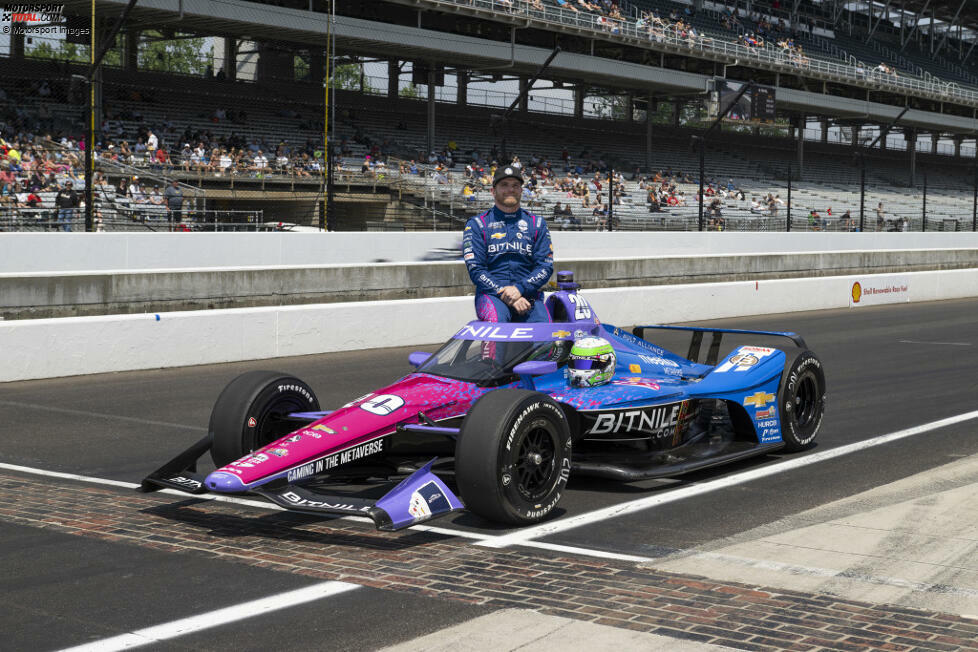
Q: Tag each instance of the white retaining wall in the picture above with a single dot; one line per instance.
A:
(57, 252)
(44, 348)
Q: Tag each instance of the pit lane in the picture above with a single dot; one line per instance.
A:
(887, 368)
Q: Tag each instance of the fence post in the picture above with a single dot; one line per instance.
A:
(862, 196)
(924, 225)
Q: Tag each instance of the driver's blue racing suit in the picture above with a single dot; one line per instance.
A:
(503, 249)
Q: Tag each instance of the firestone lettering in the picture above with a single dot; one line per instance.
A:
(297, 389)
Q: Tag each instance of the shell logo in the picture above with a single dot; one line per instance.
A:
(857, 292)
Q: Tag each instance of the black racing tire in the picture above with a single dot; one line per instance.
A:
(513, 456)
(802, 402)
(246, 414)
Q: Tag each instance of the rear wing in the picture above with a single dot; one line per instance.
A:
(714, 351)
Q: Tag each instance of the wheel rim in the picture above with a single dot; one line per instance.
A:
(535, 461)
(806, 402)
(271, 424)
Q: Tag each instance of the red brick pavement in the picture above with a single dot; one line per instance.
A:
(619, 594)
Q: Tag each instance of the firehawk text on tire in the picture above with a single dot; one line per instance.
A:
(513, 456)
(248, 413)
(802, 401)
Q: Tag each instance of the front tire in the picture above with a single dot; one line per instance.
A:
(513, 456)
(248, 413)
(802, 402)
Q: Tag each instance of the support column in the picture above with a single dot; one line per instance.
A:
(882, 139)
(629, 107)
(462, 95)
(957, 146)
(317, 65)
(801, 148)
(825, 130)
(524, 94)
(911, 137)
(230, 58)
(855, 136)
(393, 80)
(677, 109)
(934, 138)
(652, 105)
(430, 141)
(130, 50)
(17, 46)
(579, 102)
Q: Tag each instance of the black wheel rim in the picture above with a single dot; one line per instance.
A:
(272, 423)
(535, 461)
(806, 402)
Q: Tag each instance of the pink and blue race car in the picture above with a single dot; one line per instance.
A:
(490, 423)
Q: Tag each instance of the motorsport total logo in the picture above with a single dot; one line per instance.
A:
(32, 13)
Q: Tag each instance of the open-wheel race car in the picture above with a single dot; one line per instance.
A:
(494, 417)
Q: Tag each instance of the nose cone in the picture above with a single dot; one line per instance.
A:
(224, 482)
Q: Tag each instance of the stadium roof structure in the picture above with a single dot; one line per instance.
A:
(302, 28)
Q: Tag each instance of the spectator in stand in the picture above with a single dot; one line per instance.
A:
(136, 192)
(174, 201)
(259, 164)
(187, 157)
(152, 143)
(224, 164)
(122, 190)
(66, 202)
(155, 197)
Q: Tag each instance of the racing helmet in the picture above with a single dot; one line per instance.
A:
(591, 363)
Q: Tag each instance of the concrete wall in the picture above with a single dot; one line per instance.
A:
(52, 252)
(43, 348)
(40, 295)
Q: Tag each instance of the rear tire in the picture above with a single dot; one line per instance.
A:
(802, 402)
(246, 414)
(513, 456)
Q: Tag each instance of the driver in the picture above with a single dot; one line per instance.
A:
(509, 255)
(591, 363)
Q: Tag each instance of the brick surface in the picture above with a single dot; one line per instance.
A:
(619, 594)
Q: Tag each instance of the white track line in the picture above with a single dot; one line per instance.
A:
(621, 509)
(223, 616)
(100, 415)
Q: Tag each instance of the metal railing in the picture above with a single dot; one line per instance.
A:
(120, 217)
(662, 38)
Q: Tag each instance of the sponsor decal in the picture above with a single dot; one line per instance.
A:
(635, 369)
(560, 334)
(336, 459)
(312, 433)
(279, 452)
(294, 438)
(745, 358)
(326, 429)
(770, 434)
(578, 334)
(418, 508)
(759, 399)
(875, 290)
(521, 247)
(523, 226)
(498, 236)
(495, 333)
(428, 499)
(298, 501)
(468, 256)
(189, 483)
(249, 462)
(658, 360)
(297, 389)
(357, 400)
(765, 414)
(652, 423)
(252, 422)
(383, 404)
(636, 382)
(496, 225)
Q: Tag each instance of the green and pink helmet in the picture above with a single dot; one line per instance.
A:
(591, 362)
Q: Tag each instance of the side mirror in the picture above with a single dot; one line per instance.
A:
(418, 358)
(527, 370)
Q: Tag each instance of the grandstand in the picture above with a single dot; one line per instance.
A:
(246, 143)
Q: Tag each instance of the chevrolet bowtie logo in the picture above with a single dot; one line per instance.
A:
(560, 334)
(759, 399)
(497, 236)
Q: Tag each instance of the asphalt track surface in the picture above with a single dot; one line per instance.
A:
(65, 583)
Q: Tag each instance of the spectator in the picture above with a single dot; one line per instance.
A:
(136, 192)
(152, 143)
(66, 202)
(174, 201)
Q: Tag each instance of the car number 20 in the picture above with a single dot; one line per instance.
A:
(582, 311)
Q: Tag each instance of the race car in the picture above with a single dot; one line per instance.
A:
(498, 419)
